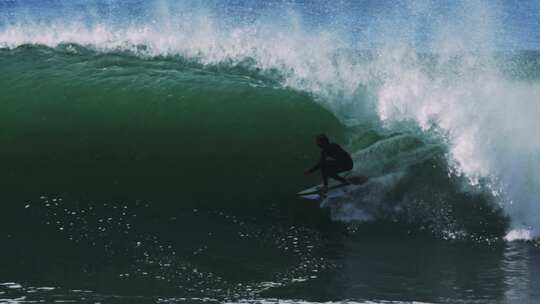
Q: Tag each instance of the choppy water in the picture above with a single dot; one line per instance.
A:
(150, 151)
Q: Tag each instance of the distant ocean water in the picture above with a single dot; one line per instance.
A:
(151, 151)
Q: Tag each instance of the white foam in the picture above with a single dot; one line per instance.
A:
(486, 119)
(519, 235)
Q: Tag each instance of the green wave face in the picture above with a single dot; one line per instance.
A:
(112, 125)
(116, 123)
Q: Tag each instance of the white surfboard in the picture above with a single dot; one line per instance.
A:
(335, 188)
(336, 192)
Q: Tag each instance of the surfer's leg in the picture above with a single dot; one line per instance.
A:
(331, 169)
(339, 178)
(324, 173)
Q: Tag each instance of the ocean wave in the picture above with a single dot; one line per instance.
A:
(451, 89)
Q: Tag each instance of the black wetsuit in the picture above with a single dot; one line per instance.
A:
(333, 161)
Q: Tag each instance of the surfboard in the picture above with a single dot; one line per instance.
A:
(336, 192)
(317, 189)
(335, 188)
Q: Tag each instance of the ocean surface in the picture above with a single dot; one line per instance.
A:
(151, 151)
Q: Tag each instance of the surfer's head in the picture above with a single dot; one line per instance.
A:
(322, 140)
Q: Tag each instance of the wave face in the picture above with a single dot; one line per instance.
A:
(162, 67)
(198, 108)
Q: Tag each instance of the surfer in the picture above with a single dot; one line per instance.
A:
(333, 161)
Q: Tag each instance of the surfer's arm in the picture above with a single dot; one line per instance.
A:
(318, 165)
(314, 168)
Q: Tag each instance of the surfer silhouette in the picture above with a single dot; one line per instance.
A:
(333, 161)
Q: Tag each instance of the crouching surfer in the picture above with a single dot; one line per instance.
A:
(333, 161)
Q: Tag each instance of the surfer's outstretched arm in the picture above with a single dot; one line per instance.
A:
(314, 168)
(317, 166)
